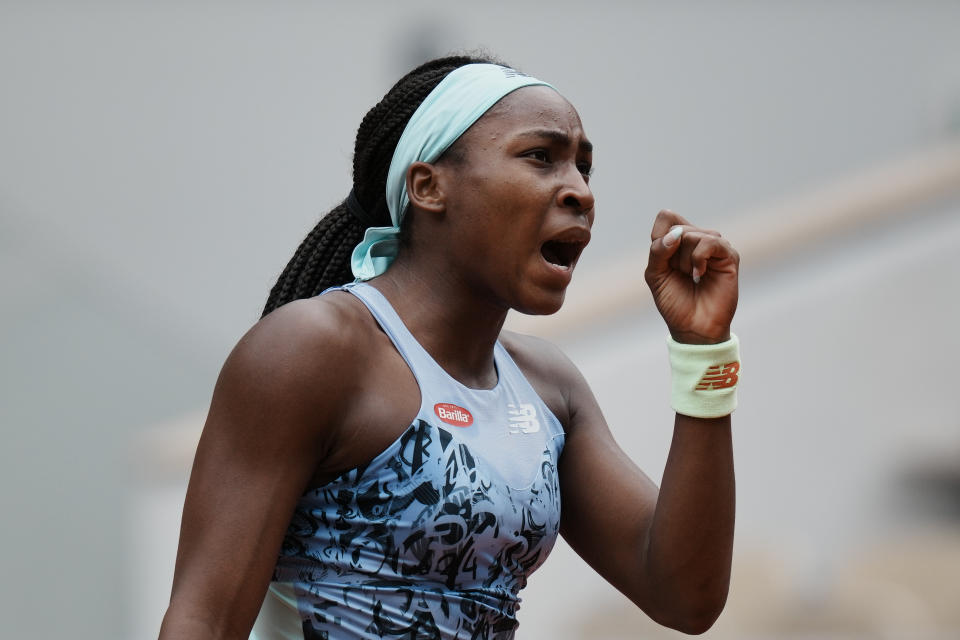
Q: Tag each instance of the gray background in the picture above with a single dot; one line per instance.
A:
(159, 163)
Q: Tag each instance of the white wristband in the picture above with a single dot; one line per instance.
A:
(705, 377)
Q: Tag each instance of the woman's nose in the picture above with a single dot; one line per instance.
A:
(576, 193)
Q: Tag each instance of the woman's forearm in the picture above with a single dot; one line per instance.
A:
(690, 540)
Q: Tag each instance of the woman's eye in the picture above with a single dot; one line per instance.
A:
(585, 169)
(539, 154)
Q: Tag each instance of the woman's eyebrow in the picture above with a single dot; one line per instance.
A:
(557, 136)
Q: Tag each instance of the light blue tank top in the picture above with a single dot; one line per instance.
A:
(435, 536)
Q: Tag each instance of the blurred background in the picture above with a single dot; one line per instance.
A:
(160, 162)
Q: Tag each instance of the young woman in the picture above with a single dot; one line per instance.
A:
(383, 461)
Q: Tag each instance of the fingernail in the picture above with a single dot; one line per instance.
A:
(672, 236)
(696, 275)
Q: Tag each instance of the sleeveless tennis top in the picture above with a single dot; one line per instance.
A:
(434, 537)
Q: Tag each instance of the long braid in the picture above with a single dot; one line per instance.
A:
(323, 258)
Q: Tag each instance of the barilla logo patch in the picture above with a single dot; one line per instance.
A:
(452, 414)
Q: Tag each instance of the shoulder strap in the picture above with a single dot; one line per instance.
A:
(416, 357)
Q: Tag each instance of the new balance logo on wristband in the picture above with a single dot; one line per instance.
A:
(719, 377)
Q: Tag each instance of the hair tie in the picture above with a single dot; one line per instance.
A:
(357, 211)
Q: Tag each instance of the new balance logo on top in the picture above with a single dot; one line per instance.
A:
(720, 376)
(523, 418)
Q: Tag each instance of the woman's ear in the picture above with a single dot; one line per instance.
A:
(424, 187)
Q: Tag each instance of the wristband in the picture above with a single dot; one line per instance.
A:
(705, 377)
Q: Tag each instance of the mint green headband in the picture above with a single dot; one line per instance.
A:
(457, 102)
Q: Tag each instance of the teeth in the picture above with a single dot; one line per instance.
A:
(560, 253)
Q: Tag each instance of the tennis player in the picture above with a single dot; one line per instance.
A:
(382, 460)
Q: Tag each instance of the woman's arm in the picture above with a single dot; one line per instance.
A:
(668, 550)
(264, 436)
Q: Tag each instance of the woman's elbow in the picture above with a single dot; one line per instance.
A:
(693, 616)
(696, 625)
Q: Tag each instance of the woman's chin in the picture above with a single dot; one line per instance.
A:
(544, 303)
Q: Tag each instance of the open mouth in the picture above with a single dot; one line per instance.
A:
(562, 253)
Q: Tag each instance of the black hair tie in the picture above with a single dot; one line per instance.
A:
(357, 211)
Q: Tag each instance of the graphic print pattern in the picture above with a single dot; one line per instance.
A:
(423, 543)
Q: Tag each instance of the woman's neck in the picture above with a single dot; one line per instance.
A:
(457, 327)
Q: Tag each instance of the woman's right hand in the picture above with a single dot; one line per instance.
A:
(693, 276)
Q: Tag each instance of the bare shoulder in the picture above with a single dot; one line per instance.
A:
(554, 377)
(305, 337)
(535, 355)
(336, 319)
(303, 356)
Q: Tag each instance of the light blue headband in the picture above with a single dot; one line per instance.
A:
(449, 110)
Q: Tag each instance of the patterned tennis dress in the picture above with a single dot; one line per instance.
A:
(434, 537)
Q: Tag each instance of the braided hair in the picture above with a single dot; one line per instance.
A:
(323, 258)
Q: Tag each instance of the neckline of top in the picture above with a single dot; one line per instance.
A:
(379, 303)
